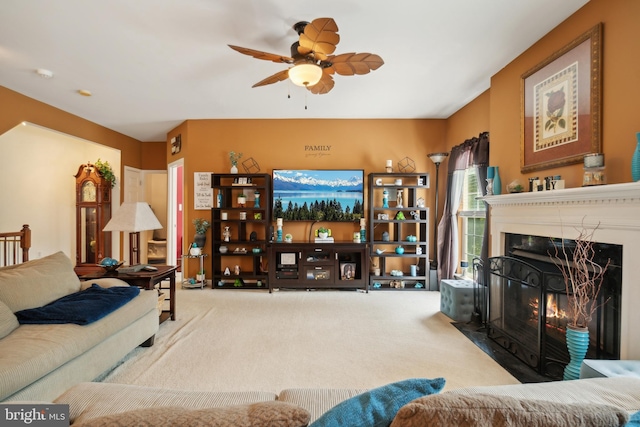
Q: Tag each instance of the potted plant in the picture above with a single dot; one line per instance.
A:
(583, 279)
(242, 200)
(323, 232)
(104, 168)
(195, 250)
(233, 158)
(200, 277)
(202, 225)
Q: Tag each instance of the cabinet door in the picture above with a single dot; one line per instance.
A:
(317, 256)
(317, 273)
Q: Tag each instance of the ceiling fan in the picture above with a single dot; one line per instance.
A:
(312, 59)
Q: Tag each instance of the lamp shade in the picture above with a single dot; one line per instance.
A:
(437, 158)
(133, 217)
(305, 74)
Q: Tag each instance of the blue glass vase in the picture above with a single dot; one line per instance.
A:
(635, 161)
(497, 183)
(577, 344)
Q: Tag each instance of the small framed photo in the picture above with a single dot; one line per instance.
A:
(347, 270)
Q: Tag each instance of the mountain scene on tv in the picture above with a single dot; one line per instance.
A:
(318, 195)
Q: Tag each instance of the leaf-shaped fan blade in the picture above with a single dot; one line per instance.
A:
(262, 55)
(325, 84)
(277, 77)
(319, 36)
(348, 64)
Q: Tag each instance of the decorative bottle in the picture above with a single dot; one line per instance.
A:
(279, 230)
(497, 183)
(635, 161)
(219, 199)
(490, 175)
(385, 199)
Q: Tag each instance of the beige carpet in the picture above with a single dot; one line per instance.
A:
(240, 340)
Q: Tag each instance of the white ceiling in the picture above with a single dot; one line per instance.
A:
(152, 64)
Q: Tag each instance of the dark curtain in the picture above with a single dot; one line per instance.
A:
(472, 152)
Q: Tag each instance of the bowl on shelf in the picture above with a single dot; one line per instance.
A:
(223, 249)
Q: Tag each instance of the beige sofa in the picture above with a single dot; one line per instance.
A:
(97, 404)
(40, 361)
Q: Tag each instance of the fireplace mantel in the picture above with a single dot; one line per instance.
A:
(614, 209)
(610, 194)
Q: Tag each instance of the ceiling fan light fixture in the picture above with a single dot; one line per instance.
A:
(305, 74)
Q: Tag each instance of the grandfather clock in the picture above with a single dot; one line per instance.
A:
(93, 211)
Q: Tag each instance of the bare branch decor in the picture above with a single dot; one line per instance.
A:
(583, 276)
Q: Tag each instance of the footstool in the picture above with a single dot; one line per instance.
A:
(595, 368)
(456, 299)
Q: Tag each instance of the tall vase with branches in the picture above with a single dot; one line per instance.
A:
(583, 278)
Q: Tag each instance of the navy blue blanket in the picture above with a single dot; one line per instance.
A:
(82, 307)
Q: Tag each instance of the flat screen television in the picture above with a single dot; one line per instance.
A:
(318, 195)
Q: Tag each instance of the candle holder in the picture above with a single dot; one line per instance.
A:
(463, 267)
(279, 230)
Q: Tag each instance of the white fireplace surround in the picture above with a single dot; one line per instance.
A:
(558, 213)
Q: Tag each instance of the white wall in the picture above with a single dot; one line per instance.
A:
(37, 185)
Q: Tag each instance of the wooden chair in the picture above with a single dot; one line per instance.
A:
(14, 246)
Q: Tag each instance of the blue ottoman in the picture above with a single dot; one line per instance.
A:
(595, 368)
(456, 299)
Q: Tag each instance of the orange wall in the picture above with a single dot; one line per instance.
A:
(16, 108)
(153, 155)
(471, 120)
(620, 88)
(289, 144)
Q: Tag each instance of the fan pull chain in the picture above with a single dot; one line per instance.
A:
(305, 100)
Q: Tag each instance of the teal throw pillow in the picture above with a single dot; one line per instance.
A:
(634, 420)
(379, 406)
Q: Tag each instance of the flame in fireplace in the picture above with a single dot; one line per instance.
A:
(556, 317)
(553, 310)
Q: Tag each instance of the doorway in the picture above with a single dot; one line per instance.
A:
(175, 213)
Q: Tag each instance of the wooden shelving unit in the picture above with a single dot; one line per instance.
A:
(248, 231)
(406, 194)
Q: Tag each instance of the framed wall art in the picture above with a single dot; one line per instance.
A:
(560, 105)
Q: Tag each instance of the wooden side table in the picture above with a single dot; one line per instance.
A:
(146, 280)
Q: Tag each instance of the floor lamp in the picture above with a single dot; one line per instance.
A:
(133, 217)
(436, 158)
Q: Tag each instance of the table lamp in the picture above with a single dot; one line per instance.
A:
(133, 217)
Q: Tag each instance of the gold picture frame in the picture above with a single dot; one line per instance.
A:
(560, 105)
